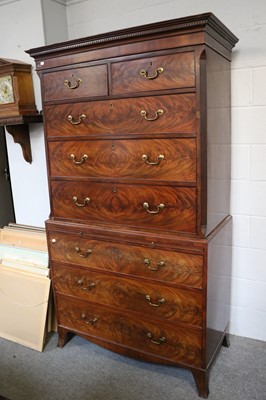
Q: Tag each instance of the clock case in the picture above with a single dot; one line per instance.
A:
(17, 115)
(24, 101)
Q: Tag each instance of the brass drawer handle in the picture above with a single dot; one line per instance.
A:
(159, 264)
(159, 112)
(160, 341)
(89, 321)
(145, 158)
(82, 159)
(85, 201)
(87, 287)
(74, 85)
(159, 207)
(145, 73)
(83, 255)
(160, 301)
(80, 119)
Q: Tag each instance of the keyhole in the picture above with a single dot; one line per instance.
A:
(113, 146)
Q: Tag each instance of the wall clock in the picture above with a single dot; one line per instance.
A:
(17, 102)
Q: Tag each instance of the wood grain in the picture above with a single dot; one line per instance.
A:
(123, 116)
(123, 159)
(178, 268)
(181, 344)
(94, 83)
(123, 204)
(172, 304)
(178, 72)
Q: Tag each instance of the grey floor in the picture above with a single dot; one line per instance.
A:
(84, 371)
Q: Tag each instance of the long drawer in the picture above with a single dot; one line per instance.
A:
(162, 72)
(163, 159)
(159, 265)
(153, 207)
(142, 115)
(180, 305)
(173, 343)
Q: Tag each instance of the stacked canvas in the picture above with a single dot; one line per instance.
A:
(24, 285)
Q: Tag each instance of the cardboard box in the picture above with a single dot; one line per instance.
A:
(30, 239)
(23, 307)
(27, 310)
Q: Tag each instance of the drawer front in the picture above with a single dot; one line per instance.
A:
(172, 304)
(171, 71)
(142, 115)
(177, 344)
(159, 265)
(163, 159)
(76, 83)
(151, 207)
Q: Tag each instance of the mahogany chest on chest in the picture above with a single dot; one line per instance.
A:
(137, 127)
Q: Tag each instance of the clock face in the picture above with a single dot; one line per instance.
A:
(6, 90)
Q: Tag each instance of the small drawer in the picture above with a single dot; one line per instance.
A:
(138, 116)
(157, 265)
(171, 71)
(173, 343)
(75, 83)
(168, 208)
(173, 304)
(161, 159)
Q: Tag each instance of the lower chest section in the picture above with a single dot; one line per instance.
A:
(148, 300)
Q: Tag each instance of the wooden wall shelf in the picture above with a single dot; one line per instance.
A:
(18, 127)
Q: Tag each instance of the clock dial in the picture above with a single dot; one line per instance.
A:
(6, 90)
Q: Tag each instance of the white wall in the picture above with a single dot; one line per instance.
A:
(55, 21)
(247, 20)
(23, 20)
(23, 26)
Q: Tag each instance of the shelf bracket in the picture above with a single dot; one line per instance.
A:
(21, 135)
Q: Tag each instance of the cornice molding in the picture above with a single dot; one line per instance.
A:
(205, 22)
(5, 2)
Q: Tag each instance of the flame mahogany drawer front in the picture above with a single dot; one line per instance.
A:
(170, 71)
(163, 159)
(160, 301)
(153, 207)
(157, 265)
(171, 342)
(139, 116)
(76, 83)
